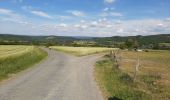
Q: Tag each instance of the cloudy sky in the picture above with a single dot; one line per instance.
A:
(85, 17)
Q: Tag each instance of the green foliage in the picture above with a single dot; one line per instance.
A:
(132, 44)
(143, 41)
(129, 43)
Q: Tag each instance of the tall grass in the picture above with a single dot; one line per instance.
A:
(20, 61)
(115, 84)
(152, 80)
(153, 76)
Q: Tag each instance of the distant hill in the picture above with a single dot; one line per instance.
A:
(35, 39)
(98, 41)
(151, 39)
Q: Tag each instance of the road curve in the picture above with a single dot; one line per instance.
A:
(59, 77)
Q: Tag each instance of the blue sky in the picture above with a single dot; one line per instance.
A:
(85, 17)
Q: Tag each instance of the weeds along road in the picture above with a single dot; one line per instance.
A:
(59, 77)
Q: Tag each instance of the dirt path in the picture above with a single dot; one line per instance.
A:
(59, 77)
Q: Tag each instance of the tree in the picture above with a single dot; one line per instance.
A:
(129, 43)
(135, 44)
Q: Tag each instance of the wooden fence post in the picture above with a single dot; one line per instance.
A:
(136, 68)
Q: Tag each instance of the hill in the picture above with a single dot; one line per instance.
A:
(150, 39)
(143, 41)
(24, 39)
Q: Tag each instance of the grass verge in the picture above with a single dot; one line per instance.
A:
(13, 64)
(115, 84)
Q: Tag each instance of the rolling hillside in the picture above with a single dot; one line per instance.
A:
(98, 41)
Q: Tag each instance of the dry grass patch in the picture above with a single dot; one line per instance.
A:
(81, 51)
(154, 71)
(152, 80)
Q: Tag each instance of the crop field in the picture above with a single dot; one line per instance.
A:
(7, 51)
(16, 58)
(81, 51)
(152, 78)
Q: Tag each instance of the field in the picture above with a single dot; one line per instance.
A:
(8, 50)
(16, 58)
(152, 80)
(81, 51)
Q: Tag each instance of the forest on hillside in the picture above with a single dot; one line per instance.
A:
(161, 41)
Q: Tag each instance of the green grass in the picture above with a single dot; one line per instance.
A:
(115, 84)
(19, 58)
(81, 51)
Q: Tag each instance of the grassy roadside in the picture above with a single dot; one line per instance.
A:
(115, 84)
(13, 64)
(152, 81)
(81, 51)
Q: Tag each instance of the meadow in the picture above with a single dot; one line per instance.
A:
(152, 79)
(81, 51)
(16, 58)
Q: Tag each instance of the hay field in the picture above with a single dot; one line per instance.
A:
(16, 58)
(8, 50)
(81, 51)
(153, 76)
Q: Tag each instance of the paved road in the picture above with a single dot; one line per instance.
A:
(59, 77)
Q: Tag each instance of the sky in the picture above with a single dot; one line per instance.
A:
(96, 18)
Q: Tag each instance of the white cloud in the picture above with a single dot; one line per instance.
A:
(41, 14)
(116, 14)
(160, 24)
(109, 1)
(36, 12)
(27, 8)
(6, 12)
(62, 25)
(86, 27)
(120, 30)
(111, 14)
(77, 13)
(108, 9)
(167, 19)
(80, 26)
(82, 21)
(63, 18)
(94, 23)
(9, 15)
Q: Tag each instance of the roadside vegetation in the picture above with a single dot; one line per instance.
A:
(16, 58)
(152, 80)
(81, 51)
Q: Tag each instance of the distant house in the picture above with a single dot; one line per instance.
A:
(139, 50)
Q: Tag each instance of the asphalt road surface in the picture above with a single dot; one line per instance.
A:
(59, 77)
